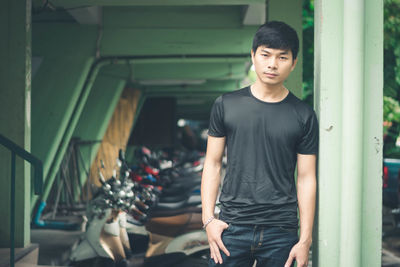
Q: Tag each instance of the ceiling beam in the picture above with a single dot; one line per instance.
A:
(208, 87)
(87, 15)
(176, 41)
(255, 14)
(173, 17)
(194, 95)
(81, 3)
(177, 71)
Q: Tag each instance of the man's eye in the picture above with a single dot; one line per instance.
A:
(264, 55)
(283, 58)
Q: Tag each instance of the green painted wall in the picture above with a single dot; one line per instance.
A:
(290, 12)
(96, 116)
(194, 101)
(15, 115)
(67, 54)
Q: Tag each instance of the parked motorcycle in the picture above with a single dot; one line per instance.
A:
(105, 241)
(173, 225)
(152, 210)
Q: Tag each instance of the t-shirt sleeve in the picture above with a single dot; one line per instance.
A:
(309, 141)
(216, 127)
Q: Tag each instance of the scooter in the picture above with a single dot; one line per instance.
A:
(170, 241)
(105, 241)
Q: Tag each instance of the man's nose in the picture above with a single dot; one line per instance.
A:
(272, 63)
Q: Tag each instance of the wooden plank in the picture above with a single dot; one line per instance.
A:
(116, 136)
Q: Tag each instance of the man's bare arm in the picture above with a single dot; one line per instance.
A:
(211, 178)
(210, 182)
(306, 195)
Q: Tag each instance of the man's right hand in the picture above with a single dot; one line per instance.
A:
(214, 231)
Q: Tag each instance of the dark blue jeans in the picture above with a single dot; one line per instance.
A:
(269, 245)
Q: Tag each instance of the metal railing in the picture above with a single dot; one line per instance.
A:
(37, 183)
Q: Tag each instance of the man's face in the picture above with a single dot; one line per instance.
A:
(272, 65)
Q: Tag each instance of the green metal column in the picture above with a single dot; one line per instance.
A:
(349, 99)
(290, 12)
(15, 115)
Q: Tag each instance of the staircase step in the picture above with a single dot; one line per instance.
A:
(28, 254)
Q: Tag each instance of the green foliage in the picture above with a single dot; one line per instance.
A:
(391, 89)
(308, 51)
(391, 112)
(392, 48)
(391, 127)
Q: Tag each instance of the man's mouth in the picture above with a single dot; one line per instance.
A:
(271, 75)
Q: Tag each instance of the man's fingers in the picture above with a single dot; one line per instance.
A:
(214, 239)
(212, 252)
(222, 247)
(217, 254)
(289, 261)
(302, 263)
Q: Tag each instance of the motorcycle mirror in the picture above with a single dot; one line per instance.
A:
(101, 178)
(121, 194)
(121, 155)
(146, 151)
(119, 163)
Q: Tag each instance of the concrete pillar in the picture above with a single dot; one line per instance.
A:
(291, 13)
(15, 115)
(349, 99)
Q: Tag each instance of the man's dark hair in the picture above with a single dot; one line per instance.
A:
(277, 35)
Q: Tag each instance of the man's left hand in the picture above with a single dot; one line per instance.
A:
(299, 253)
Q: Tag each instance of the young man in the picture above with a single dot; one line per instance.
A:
(267, 131)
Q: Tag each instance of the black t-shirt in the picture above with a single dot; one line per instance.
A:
(263, 140)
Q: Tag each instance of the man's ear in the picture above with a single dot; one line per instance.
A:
(294, 63)
(252, 56)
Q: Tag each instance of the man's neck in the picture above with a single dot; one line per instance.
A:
(269, 93)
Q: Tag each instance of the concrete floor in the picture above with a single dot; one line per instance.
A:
(55, 245)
